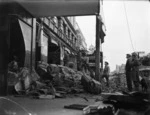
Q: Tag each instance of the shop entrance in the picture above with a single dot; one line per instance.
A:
(53, 54)
(17, 45)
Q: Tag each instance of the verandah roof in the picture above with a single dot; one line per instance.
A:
(45, 8)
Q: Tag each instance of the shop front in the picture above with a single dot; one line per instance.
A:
(16, 41)
(54, 51)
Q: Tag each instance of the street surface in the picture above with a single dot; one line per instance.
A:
(53, 106)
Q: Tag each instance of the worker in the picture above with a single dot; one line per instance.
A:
(128, 72)
(135, 70)
(106, 73)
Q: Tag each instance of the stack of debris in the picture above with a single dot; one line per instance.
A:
(91, 85)
(135, 102)
(66, 79)
(118, 103)
(28, 83)
(51, 80)
(116, 83)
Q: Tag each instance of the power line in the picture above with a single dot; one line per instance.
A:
(128, 26)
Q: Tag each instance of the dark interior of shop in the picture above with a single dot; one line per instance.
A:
(53, 54)
(17, 45)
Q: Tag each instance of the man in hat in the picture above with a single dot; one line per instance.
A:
(135, 70)
(128, 72)
(106, 72)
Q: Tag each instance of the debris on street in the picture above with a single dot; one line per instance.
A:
(91, 85)
(52, 80)
(117, 84)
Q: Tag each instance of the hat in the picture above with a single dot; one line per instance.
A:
(134, 54)
(106, 62)
(128, 55)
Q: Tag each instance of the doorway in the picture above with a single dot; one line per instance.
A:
(17, 45)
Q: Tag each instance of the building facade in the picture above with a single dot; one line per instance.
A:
(120, 68)
(50, 39)
(56, 40)
(82, 45)
(17, 31)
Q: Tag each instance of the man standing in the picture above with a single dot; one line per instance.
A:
(128, 72)
(106, 72)
(135, 71)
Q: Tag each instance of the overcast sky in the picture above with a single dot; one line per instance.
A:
(117, 41)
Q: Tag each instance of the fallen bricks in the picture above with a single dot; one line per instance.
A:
(48, 79)
(90, 85)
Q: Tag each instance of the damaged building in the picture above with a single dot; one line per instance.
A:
(52, 40)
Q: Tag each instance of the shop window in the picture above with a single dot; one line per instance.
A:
(46, 21)
(61, 26)
(55, 21)
(64, 28)
(71, 36)
(26, 31)
(44, 48)
(66, 31)
(59, 22)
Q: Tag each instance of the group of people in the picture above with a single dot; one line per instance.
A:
(132, 71)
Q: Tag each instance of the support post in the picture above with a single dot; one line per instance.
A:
(33, 42)
(97, 56)
(4, 48)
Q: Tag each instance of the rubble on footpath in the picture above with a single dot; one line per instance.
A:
(91, 85)
(55, 81)
(29, 83)
(117, 83)
(51, 80)
(128, 103)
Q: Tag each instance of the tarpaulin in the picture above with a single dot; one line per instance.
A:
(45, 8)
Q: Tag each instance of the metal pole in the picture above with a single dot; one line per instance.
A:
(101, 55)
(4, 53)
(31, 47)
(33, 41)
(97, 56)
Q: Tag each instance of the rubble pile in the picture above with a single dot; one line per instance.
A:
(29, 83)
(145, 60)
(91, 85)
(134, 102)
(69, 80)
(116, 83)
(66, 79)
(51, 80)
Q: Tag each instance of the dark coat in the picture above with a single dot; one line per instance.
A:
(128, 66)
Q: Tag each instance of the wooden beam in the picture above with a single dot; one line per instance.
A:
(97, 62)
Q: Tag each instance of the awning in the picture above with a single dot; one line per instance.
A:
(26, 32)
(66, 49)
(54, 42)
(45, 8)
(54, 39)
